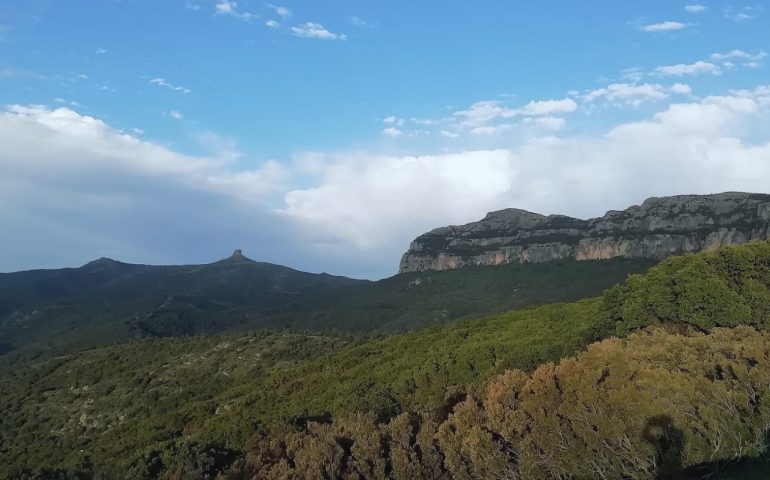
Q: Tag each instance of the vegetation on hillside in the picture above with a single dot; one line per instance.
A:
(327, 403)
(61, 311)
(658, 405)
(53, 409)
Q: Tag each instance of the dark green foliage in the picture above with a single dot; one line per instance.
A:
(53, 410)
(162, 397)
(418, 300)
(728, 287)
(105, 301)
(187, 459)
(324, 394)
(644, 408)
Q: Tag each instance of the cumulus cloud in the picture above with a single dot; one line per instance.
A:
(635, 94)
(176, 115)
(492, 129)
(230, 8)
(750, 60)
(89, 190)
(546, 123)
(548, 107)
(316, 30)
(272, 24)
(478, 116)
(667, 26)
(392, 132)
(681, 89)
(282, 12)
(398, 197)
(393, 120)
(409, 191)
(698, 68)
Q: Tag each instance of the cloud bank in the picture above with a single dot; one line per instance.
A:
(89, 189)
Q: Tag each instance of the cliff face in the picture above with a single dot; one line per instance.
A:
(656, 228)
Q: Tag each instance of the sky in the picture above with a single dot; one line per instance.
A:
(325, 136)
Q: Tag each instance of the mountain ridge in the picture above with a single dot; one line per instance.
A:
(659, 227)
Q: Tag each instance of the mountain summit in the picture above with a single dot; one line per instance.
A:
(655, 229)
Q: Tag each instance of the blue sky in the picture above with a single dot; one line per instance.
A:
(325, 135)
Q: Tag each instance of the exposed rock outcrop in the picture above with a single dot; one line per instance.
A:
(655, 229)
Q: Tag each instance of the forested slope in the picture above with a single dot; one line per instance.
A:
(434, 392)
(104, 302)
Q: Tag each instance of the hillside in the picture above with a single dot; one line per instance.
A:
(655, 229)
(107, 301)
(427, 374)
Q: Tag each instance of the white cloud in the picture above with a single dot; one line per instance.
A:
(492, 129)
(282, 12)
(73, 189)
(100, 51)
(359, 22)
(163, 83)
(426, 187)
(480, 114)
(393, 120)
(225, 7)
(698, 68)
(738, 54)
(175, 114)
(230, 8)
(681, 89)
(696, 8)
(448, 134)
(424, 121)
(392, 132)
(548, 107)
(750, 60)
(742, 14)
(72, 184)
(272, 24)
(316, 30)
(635, 94)
(633, 74)
(546, 123)
(192, 6)
(64, 101)
(581, 176)
(667, 26)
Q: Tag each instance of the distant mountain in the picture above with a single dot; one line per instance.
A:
(106, 300)
(655, 229)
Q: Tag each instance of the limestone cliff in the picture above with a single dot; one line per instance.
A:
(656, 228)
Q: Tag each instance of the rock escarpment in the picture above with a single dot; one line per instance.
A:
(655, 229)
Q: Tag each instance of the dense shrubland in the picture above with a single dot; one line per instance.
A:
(649, 406)
(480, 399)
